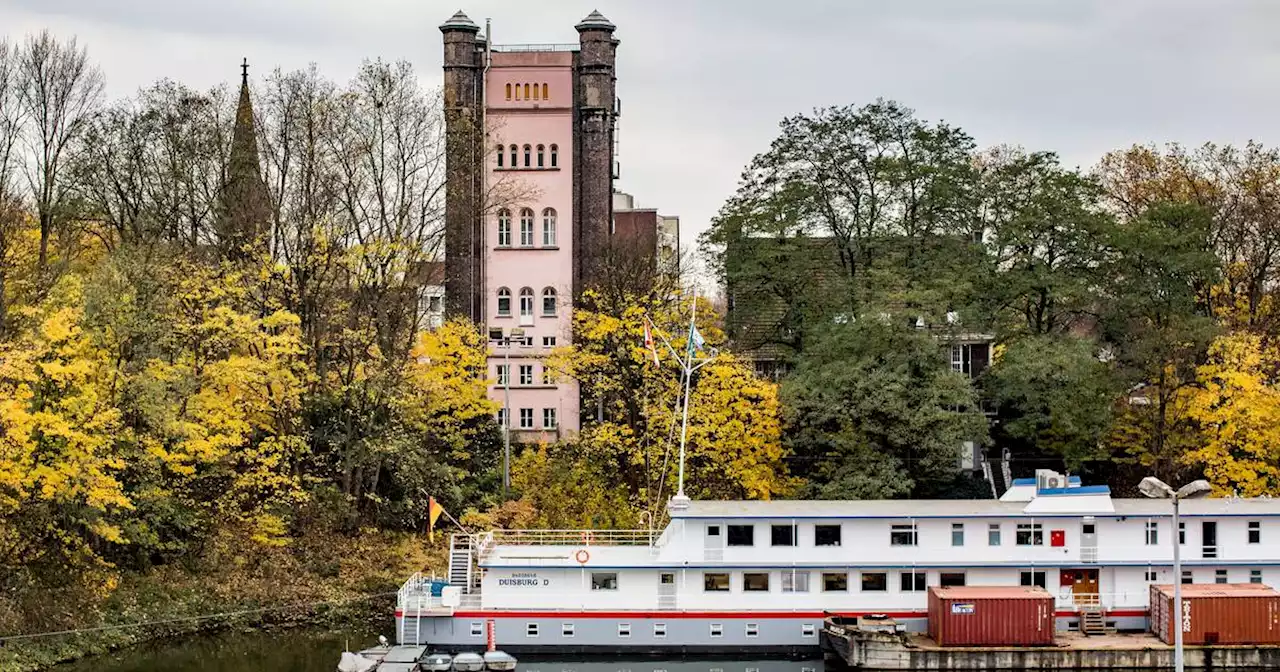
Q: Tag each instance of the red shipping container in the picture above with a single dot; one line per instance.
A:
(991, 616)
(1218, 613)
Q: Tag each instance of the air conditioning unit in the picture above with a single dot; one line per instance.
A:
(1047, 479)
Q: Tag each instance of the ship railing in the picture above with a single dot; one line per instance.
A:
(1069, 601)
(571, 537)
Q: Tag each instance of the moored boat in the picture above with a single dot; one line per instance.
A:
(499, 661)
(468, 662)
(436, 662)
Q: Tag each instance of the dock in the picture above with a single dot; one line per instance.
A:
(881, 650)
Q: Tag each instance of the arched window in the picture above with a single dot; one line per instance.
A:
(508, 90)
(501, 151)
(504, 228)
(549, 227)
(526, 302)
(528, 156)
(526, 91)
(541, 151)
(526, 227)
(537, 93)
(517, 92)
(555, 153)
(513, 156)
(504, 302)
(546, 95)
(549, 301)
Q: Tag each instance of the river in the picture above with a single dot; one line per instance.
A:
(309, 651)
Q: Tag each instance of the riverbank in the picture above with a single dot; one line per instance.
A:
(338, 582)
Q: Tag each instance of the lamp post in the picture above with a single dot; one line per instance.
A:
(1157, 489)
(516, 332)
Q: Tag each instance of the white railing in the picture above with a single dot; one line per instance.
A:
(568, 538)
(1068, 600)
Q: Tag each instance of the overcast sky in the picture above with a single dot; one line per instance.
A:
(705, 82)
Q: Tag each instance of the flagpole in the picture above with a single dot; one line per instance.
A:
(688, 377)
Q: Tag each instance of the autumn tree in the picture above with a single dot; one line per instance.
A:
(61, 89)
(1236, 406)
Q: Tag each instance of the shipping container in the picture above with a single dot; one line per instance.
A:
(991, 616)
(1218, 613)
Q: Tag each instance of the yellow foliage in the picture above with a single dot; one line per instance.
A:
(446, 389)
(58, 436)
(1238, 409)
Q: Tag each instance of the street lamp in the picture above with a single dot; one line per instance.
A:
(1157, 489)
(515, 333)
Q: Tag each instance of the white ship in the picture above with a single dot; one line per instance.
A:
(759, 576)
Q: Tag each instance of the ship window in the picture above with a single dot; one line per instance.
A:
(1030, 534)
(713, 530)
(1255, 532)
(717, 630)
(1087, 528)
(1153, 533)
(1182, 533)
(477, 628)
(1150, 575)
(1032, 578)
(795, 581)
(993, 534)
(624, 629)
(742, 535)
(715, 582)
(903, 535)
(755, 582)
(531, 630)
(1220, 576)
(875, 582)
(948, 579)
(604, 580)
(784, 535)
(835, 582)
(659, 630)
(957, 534)
(753, 629)
(808, 630)
(667, 579)
(566, 629)
(1187, 576)
(826, 535)
(1255, 576)
(914, 582)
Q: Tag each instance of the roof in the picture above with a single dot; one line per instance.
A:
(1032, 481)
(595, 21)
(1221, 590)
(952, 508)
(459, 21)
(991, 592)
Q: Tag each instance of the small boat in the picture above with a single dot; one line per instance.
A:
(499, 661)
(354, 662)
(436, 662)
(468, 662)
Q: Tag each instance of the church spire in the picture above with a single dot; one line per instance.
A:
(246, 206)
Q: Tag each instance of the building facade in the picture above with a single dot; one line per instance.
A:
(646, 236)
(528, 211)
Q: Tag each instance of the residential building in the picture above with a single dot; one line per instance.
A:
(647, 236)
(528, 208)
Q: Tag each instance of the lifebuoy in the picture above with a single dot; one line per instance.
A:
(588, 538)
(582, 556)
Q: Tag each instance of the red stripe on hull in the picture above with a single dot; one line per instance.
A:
(1122, 613)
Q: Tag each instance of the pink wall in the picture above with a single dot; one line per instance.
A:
(537, 267)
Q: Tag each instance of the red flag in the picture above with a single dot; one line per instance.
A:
(648, 341)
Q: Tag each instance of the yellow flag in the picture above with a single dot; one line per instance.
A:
(433, 514)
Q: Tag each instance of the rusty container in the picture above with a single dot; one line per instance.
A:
(991, 616)
(1218, 613)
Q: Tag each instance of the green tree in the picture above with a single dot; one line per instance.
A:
(873, 410)
(1054, 396)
